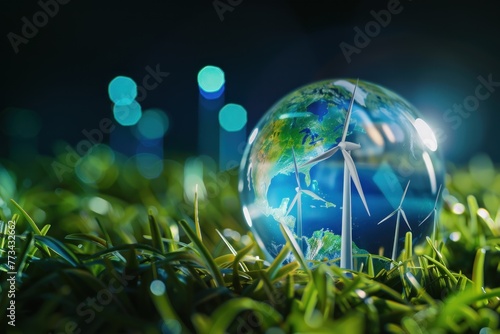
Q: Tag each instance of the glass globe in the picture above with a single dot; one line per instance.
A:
(293, 171)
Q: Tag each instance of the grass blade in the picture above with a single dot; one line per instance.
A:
(299, 257)
(205, 254)
(156, 234)
(31, 222)
(59, 248)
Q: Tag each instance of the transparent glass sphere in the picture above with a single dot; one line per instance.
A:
(397, 151)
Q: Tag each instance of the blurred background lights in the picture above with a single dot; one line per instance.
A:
(154, 124)
(149, 165)
(211, 82)
(157, 288)
(96, 167)
(458, 208)
(232, 117)
(99, 205)
(171, 326)
(193, 179)
(122, 90)
(426, 134)
(127, 115)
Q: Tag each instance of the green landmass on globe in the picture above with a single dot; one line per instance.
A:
(324, 245)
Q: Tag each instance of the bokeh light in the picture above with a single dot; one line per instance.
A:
(122, 90)
(149, 165)
(211, 82)
(127, 115)
(154, 124)
(193, 179)
(157, 288)
(232, 117)
(96, 167)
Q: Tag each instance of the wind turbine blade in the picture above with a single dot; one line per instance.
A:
(322, 156)
(435, 206)
(389, 216)
(404, 194)
(355, 178)
(404, 217)
(313, 195)
(437, 196)
(349, 146)
(427, 217)
(296, 168)
(348, 115)
(292, 204)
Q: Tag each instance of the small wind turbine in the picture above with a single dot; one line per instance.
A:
(350, 172)
(298, 199)
(434, 210)
(400, 212)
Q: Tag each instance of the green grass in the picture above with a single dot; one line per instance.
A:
(90, 267)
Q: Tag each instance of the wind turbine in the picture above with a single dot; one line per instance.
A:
(350, 172)
(298, 199)
(434, 210)
(400, 212)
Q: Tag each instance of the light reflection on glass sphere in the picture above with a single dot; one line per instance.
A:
(397, 146)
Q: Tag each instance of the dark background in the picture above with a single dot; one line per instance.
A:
(431, 53)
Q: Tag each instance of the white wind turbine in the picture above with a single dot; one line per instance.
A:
(434, 210)
(298, 199)
(400, 212)
(350, 172)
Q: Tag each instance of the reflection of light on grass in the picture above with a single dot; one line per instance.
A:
(122, 90)
(228, 233)
(157, 288)
(154, 124)
(455, 236)
(483, 213)
(99, 205)
(127, 115)
(211, 82)
(458, 208)
(232, 117)
(246, 240)
(426, 134)
(193, 176)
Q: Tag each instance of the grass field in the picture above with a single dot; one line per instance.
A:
(107, 251)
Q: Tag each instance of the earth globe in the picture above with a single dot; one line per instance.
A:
(348, 167)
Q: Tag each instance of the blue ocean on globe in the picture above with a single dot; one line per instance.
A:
(397, 151)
